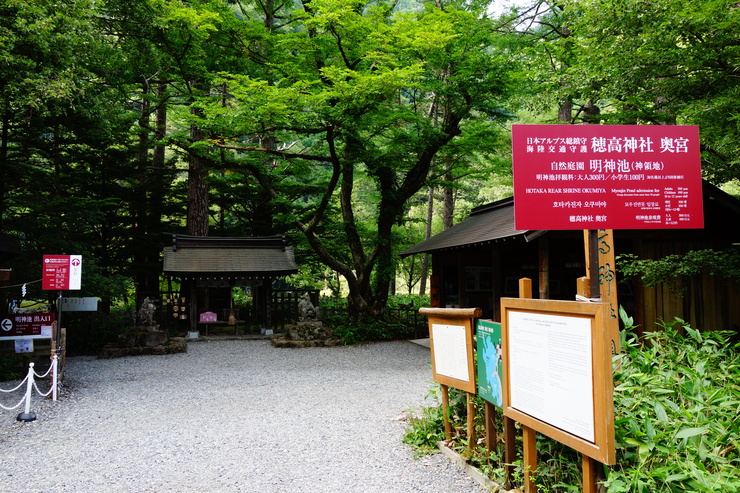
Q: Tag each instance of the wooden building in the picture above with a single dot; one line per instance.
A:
(479, 260)
(209, 267)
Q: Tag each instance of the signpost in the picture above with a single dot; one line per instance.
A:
(453, 362)
(490, 374)
(490, 364)
(558, 380)
(89, 304)
(597, 178)
(27, 326)
(606, 177)
(61, 272)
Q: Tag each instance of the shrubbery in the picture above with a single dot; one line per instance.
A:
(677, 420)
(334, 314)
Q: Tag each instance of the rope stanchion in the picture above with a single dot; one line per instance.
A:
(27, 415)
(29, 381)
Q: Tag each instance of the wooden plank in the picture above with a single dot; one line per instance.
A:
(589, 474)
(445, 393)
(491, 430)
(529, 442)
(509, 449)
(471, 424)
(608, 283)
(451, 312)
(525, 287)
(544, 268)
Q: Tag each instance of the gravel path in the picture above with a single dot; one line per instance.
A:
(230, 416)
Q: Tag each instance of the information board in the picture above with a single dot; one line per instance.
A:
(27, 326)
(557, 372)
(88, 304)
(450, 351)
(489, 365)
(551, 370)
(451, 343)
(606, 177)
(61, 272)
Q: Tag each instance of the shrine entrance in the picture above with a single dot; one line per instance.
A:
(211, 269)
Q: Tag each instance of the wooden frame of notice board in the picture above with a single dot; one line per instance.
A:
(451, 342)
(558, 372)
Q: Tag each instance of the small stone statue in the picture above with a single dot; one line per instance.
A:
(146, 313)
(306, 310)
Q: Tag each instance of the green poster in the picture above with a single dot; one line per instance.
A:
(489, 365)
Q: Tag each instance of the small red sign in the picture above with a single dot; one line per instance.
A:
(61, 272)
(607, 177)
(27, 325)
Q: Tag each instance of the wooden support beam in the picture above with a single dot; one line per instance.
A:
(589, 466)
(529, 438)
(491, 435)
(509, 449)
(471, 424)
(444, 390)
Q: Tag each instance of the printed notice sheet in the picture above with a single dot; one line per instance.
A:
(450, 351)
(551, 370)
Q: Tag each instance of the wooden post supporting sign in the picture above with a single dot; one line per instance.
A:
(602, 274)
(453, 363)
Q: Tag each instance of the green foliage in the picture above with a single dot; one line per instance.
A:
(412, 300)
(677, 403)
(425, 429)
(677, 419)
(358, 332)
(10, 368)
(350, 331)
(639, 62)
(92, 331)
(674, 268)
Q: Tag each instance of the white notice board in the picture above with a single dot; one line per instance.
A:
(450, 351)
(558, 374)
(451, 343)
(551, 370)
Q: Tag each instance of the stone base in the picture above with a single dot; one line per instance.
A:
(175, 345)
(143, 336)
(308, 331)
(284, 342)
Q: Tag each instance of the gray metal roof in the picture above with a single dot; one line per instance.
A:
(487, 224)
(205, 257)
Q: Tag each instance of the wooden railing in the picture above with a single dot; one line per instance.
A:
(285, 305)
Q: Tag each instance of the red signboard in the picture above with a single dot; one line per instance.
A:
(27, 326)
(607, 177)
(61, 272)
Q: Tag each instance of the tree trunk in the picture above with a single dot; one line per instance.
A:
(427, 235)
(197, 224)
(4, 164)
(565, 110)
(140, 213)
(448, 197)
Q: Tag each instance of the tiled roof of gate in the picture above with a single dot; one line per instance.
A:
(198, 257)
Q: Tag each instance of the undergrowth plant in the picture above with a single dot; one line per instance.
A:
(383, 328)
(677, 420)
(677, 423)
